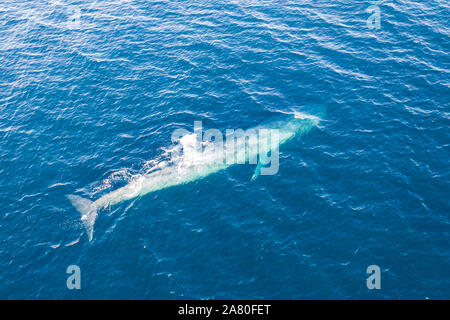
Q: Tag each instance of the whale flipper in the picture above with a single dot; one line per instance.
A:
(257, 171)
(88, 212)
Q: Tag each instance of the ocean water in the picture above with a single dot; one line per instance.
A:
(91, 91)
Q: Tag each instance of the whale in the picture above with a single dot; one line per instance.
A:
(192, 164)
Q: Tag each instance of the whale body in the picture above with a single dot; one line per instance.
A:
(186, 170)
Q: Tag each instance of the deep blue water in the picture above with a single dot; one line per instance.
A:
(87, 100)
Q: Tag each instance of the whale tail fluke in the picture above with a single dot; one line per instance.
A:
(88, 212)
